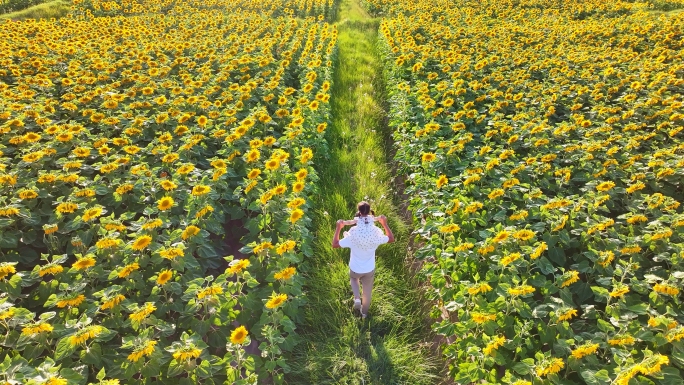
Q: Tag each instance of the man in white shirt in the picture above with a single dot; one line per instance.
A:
(363, 239)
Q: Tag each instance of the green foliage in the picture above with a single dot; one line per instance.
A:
(7, 6)
(339, 348)
(545, 186)
(46, 10)
(124, 183)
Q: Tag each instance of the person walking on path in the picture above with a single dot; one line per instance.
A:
(363, 239)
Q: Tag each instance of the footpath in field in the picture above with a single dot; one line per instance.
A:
(338, 347)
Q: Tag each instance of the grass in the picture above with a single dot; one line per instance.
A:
(668, 13)
(338, 347)
(55, 8)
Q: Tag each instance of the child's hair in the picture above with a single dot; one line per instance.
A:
(363, 209)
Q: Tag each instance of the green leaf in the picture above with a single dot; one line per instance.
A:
(249, 364)
(64, 349)
(9, 240)
(28, 255)
(640, 308)
(671, 376)
(77, 375)
(152, 367)
(175, 368)
(605, 326)
(545, 266)
(592, 377)
(270, 365)
(232, 375)
(600, 293)
(288, 325)
(29, 237)
(92, 355)
(557, 255)
(205, 250)
(32, 351)
(205, 369)
(4, 366)
(522, 368)
(583, 291)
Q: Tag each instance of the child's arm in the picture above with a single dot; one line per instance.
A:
(336, 236)
(383, 221)
(347, 222)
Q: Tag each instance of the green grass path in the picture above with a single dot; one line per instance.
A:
(338, 347)
(49, 9)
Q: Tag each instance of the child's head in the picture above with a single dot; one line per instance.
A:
(363, 209)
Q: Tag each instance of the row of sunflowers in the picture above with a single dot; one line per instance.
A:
(136, 153)
(542, 142)
(320, 9)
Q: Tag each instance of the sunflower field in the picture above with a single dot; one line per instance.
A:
(155, 168)
(542, 143)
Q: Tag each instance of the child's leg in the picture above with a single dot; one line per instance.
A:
(354, 280)
(367, 283)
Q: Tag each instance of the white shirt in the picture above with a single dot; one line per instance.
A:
(363, 239)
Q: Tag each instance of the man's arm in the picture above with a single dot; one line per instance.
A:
(388, 231)
(336, 237)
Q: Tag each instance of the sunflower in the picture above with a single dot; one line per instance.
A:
(237, 266)
(142, 350)
(428, 157)
(296, 202)
(170, 158)
(111, 104)
(141, 242)
(279, 189)
(298, 186)
(190, 232)
(501, 236)
(168, 185)
(272, 164)
(164, 276)
(91, 214)
(81, 152)
(200, 190)
(285, 274)
(165, 203)
(276, 300)
(219, 163)
(145, 311)
(296, 215)
(7, 268)
(51, 269)
(252, 156)
(50, 228)
(84, 263)
(238, 335)
(185, 169)
(112, 302)
(128, 269)
(523, 235)
(605, 186)
(306, 155)
(187, 354)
